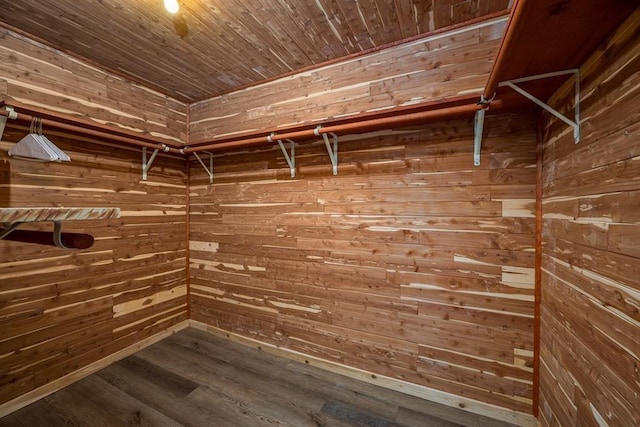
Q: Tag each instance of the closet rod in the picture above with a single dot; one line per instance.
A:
(349, 128)
(86, 131)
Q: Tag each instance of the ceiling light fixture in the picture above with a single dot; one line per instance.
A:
(172, 6)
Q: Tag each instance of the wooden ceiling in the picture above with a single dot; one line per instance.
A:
(217, 46)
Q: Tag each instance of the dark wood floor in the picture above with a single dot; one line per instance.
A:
(196, 379)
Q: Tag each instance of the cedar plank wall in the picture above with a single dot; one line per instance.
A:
(435, 67)
(590, 311)
(61, 310)
(36, 75)
(410, 263)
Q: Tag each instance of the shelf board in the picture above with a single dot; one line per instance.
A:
(36, 214)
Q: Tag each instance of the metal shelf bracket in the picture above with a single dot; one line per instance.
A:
(57, 232)
(332, 151)
(478, 128)
(8, 228)
(146, 165)
(3, 119)
(573, 123)
(290, 158)
(208, 169)
(57, 235)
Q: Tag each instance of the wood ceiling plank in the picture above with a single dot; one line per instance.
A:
(325, 22)
(324, 29)
(371, 18)
(357, 26)
(230, 44)
(256, 49)
(91, 38)
(490, 6)
(295, 20)
(292, 40)
(389, 17)
(463, 10)
(424, 12)
(407, 23)
(442, 13)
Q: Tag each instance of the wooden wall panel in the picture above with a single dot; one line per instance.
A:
(432, 68)
(410, 263)
(61, 310)
(590, 342)
(42, 77)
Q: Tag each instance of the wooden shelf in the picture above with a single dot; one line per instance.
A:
(35, 214)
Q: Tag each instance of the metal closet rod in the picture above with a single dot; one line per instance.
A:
(349, 128)
(87, 131)
(367, 125)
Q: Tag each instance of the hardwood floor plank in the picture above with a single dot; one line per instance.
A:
(185, 413)
(265, 396)
(229, 388)
(131, 411)
(84, 411)
(353, 415)
(192, 367)
(292, 382)
(177, 385)
(333, 386)
(193, 378)
(241, 412)
(39, 414)
(444, 414)
(409, 417)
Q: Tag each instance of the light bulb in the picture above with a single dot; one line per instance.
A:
(172, 6)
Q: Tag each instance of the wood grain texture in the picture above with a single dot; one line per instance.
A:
(590, 346)
(431, 68)
(208, 49)
(62, 310)
(405, 264)
(36, 75)
(56, 214)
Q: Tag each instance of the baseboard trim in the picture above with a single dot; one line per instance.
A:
(469, 405)
(49, 388)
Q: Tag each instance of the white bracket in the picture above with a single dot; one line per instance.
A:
(57, 232)
(3, 123)
(3, 119)
(147, 165)
(208, 169)
(333, 152)
(478, 128)
(57, 235)
(290, 158)
(573, 123)
(8, 228)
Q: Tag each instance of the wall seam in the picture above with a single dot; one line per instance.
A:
(538, 266)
